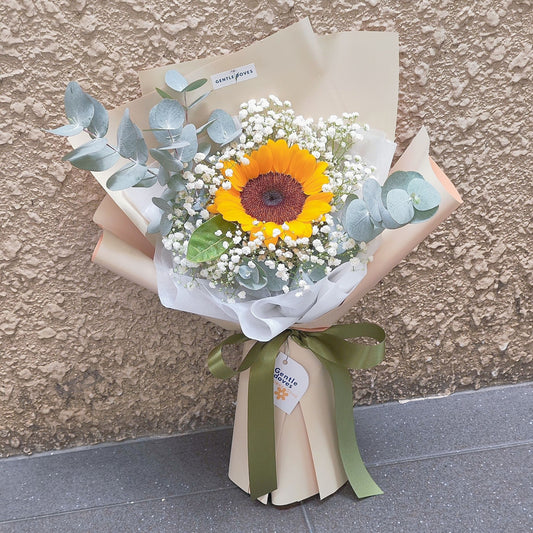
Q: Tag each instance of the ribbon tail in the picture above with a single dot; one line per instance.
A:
(261, 438)
(360, 480)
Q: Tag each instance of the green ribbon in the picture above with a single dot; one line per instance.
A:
(338, 356)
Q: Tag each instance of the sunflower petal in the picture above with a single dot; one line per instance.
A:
(263, 157)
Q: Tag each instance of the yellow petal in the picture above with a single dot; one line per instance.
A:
(300, 229)
(263, 158)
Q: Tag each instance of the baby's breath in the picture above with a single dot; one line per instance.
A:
(290, 264)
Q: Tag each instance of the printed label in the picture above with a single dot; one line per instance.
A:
(290, 383)
(235, 75)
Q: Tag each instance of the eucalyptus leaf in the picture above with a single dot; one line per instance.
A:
(201, 129)
(163, 175)
(130, 140)
(314, 272)
(175, 80)
(222, 129)
(94, 155)
(78, 106)
(147, 182)
(274, 283)
(372, 198)
(100, 121)
(176, 183)
(165, 225)
(67, 131)
(400, 206)
(386, 220)
(166, 160)
(422, 216)
(163, 204)
(167, 114)
(342, 214)
(424, 195)
(253, 279)
(398, 180)
(163, 94)
(188, 135)
(204, 147)
(199, 99)
(358, 222)
(204, 245)
(194, 85)
(128, 176)
(177, 145)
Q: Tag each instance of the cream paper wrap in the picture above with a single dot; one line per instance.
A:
(307, 456)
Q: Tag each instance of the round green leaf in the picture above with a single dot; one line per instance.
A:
(400, 206)
(424, 195)
(398, 180)
(358, 223)
(175, 80)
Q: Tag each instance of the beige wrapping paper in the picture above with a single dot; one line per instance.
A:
(307, 456)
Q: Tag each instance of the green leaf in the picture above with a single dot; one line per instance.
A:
(147, 182)
(195, 85)
(128, 176)
(204, 245)
(201, 129)
(94, 155)
(165, 225)
(67, 131)
(175, 80)
(100, 121)
(372, 198)
(130, 140)
(398, 180)
(163, 94)
(189, 135)
(162, 204)
(78, 106)
(222, 130)
(166, 160)
(166, 120)
(274, 283)
(199, 99)
(358, 222)
(424, 195)
(422, 216)
(400, 206)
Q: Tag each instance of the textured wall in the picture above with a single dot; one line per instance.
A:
(87, 357)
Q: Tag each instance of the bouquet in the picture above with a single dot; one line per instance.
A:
(267, 221)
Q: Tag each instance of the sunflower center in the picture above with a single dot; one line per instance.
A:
(273, 197)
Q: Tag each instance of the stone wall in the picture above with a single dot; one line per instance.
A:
(87, 357)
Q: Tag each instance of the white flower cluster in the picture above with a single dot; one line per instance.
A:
(248, 268)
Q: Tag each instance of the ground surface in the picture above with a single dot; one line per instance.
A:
(462, 463)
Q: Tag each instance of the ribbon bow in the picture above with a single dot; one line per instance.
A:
(337, 355)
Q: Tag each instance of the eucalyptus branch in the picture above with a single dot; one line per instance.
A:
(114, 148)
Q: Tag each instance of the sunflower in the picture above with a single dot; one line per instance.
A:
(277, 193)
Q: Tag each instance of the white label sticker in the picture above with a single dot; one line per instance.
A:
(235, 75)
(290, 382)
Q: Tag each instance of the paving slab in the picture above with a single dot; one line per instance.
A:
(104, 475)
(485, 418)
(460, 463)
(219, 511)
(481, 492)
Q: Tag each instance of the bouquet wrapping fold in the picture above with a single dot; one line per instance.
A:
(321, 75)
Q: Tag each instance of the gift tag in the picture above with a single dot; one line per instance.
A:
(290, 382)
